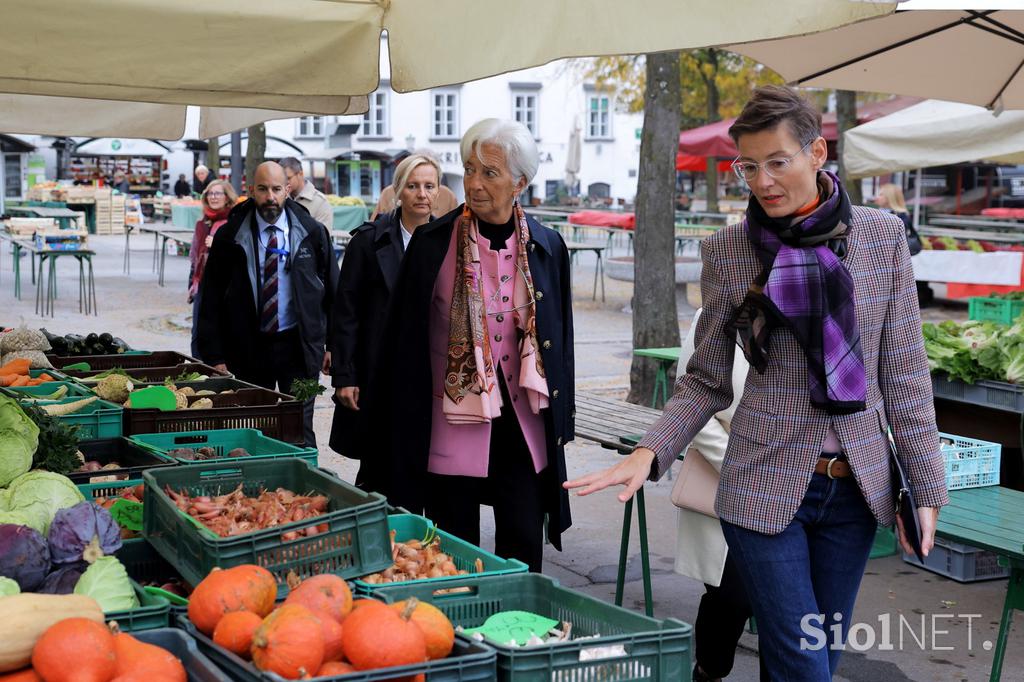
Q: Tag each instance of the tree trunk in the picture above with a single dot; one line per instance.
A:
(846, 118)
(213, 156)
(254, 151)
(713, 100)
(655, 320)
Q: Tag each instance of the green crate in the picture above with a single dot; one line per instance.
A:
(885, 543)
(224, 441)
(74, 389)
(654, 650)
(95, 421)
(55, 373)
(153, 612)
(469, 662)
(198, 667)
(1001, 310)
(463, 554)
(355, 543)
(93, 491)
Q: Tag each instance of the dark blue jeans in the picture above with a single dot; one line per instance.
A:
(805, 579)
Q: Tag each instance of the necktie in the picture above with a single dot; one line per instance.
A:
(268, 315)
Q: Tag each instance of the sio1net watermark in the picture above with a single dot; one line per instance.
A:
(892, 632)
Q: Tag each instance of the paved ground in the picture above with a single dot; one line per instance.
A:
(153, 317)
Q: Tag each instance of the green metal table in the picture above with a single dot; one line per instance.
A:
(991, 518)
(666, 357)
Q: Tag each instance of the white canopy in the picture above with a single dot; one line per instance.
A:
(933, 133)
(277, 57)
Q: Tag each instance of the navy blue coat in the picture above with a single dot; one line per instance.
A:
(400, 393)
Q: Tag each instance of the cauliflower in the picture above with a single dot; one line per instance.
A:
(114, 388)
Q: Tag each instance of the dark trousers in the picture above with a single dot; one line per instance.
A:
(195, 325)
(721, 617)
(512, 488)
(284, 363)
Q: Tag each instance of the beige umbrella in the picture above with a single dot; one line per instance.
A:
(311, 55)
(573, 157)
(958, 55)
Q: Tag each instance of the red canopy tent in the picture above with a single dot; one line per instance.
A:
(713, 139)
(687, 162)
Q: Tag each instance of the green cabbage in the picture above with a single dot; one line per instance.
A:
(19, 438)
(41, 494)
(106, 581)
(8, 587)
(34, 517)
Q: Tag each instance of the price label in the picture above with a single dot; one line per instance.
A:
(128, 514)
(514, 625)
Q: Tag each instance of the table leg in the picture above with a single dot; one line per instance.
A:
(600, 265)
(660, 385)
(127, 268)
(611, 240)
(81, 285)
(156, 256)
(39, 285)
(52, 289)
(93, 303)
(163, 261)
(645, 557)
(620, 580)
(597, 266)
(34, 266)
(17, 271)
(1014, 600)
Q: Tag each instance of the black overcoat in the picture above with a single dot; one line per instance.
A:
(400, 390)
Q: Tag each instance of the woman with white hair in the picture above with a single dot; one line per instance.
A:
(368, 274)
(472, 400)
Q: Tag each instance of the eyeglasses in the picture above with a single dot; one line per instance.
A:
(775, 168)
(497, 292)
(210, 195)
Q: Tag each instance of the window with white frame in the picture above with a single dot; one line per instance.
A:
(599, 116)
(376, 120)
(310, 126)
(524, 110)
(444, 114)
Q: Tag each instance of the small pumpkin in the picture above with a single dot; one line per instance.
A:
(26, 675)
(437, 629)
(325, 593)
(332, 668)
(146, 661)
(235, 630)
(382, 637)
(289, 642)
(332, 632)
(86, 645)
(242, 588)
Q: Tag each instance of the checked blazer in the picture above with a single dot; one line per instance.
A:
(776, 435)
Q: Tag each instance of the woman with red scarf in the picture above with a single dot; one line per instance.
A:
(218, 198)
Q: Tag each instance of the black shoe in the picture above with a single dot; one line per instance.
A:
(700, 676)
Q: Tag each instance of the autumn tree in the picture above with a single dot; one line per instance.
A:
(255, 150)
(846, 118)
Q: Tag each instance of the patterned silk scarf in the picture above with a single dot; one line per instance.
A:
(472, 395)
(805, 288)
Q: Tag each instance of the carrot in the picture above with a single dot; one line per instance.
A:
(34, 382)
(22, 380)
(7, 379)
(19, 366)
(45, 377)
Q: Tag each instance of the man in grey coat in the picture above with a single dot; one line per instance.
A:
(301, 190)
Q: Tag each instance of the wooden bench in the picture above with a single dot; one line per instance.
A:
(615, 424)
(991, 518)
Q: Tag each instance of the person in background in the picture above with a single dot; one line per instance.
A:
(473, 398)
(444, 204)
(301, 190)
(181, 187)
(202, 179)
(121, 183)
(890, 199)
(268, 290)
(368, 274)
(217, 201)
(819, 296)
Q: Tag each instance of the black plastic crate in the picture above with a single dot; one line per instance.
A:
(133, 459)
(144, 375)
(126, 361)
(198, 667)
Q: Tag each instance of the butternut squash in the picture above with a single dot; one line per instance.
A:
(25, 617)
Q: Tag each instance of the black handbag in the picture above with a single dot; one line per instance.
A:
(906, 508)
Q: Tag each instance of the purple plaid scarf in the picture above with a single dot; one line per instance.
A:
(805, 288)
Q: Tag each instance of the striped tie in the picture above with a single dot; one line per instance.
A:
(268, 315)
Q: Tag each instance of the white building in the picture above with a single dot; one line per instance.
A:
(356, 154)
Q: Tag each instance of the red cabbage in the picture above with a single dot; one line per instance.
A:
(85, 531)
(24, 556)
(63, 579)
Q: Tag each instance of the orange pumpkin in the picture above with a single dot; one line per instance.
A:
(382, 637)
(289, 642)
(75, 650)
(335, 668)
(437, 629)
(332, 632)
(26, 675)
(139, 659)
(235, 630)
(327, 593)
(242, 588)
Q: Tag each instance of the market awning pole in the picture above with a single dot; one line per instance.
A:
(236, 161)
(917, 199)
(3, 183)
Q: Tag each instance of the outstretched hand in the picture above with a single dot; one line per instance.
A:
(630, 472)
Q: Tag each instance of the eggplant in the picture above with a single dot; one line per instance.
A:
(91, 339)
(106, 338)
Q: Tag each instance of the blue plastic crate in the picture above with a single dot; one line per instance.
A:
(970, 463)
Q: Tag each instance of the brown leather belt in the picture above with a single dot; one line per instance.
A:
(833, 467)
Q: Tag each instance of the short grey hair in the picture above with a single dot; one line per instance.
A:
(291, 163)
(408, 165)
(512, 137)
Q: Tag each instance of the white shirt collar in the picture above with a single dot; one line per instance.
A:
(406, 235)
